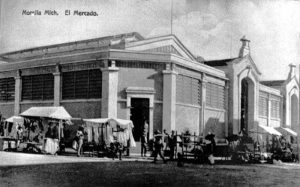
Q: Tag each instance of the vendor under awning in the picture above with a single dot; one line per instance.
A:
(286, 131)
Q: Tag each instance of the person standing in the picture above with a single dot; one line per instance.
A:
(172, 144)
(211, 146)
(19, 134)
(79, 137)
(158, 145)
(144, 138)
(51, 135)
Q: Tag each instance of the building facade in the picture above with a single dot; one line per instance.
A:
(157, 79)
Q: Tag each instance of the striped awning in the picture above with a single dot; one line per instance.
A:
(286, 131)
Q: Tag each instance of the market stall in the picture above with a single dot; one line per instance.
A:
(265, 142)
(289, 143)
(107, 132)
(10, 136)
(44, 128)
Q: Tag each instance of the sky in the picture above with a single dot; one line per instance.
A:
(208, 28)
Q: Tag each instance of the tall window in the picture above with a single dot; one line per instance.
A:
(275, 109)
(7, 89)
(84, 84)
(215, 96)
(188, 90)
(263, 106)
(38, 87)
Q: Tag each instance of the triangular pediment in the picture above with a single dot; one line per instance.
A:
(164, 44)
(293, 82)
(249, 62)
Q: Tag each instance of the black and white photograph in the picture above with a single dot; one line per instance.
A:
(149, 93)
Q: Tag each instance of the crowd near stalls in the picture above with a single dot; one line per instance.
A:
(51, 130)
(259, 145)
(265, 144)
(36, 130)
(109, 135)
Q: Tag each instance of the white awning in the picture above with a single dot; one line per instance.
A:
(15, 119)
(286, 131)
(265, 129)
(49, 112)
(97, 120)
(123, 123)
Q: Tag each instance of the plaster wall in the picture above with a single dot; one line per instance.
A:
(25, 106)
(7, 110)
(215, 122)
(140, 77)
(187, 117)
(83, 109)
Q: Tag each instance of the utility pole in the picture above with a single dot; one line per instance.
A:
(171, 17)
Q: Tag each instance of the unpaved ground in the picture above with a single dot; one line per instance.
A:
(141, 173)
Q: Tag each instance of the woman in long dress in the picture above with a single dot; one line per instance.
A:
(52, 145)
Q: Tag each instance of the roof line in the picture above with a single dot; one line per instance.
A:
(139, 36)
(177, 40)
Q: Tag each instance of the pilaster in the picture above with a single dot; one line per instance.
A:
(169, 98)
(18, 92)
(203, 104)
(226, 115)
(109, 90)
(57, 86)
(269, 110)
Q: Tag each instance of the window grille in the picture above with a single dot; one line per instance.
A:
(38, 87)
(215, 96)
(275, 109)
(188, 90)
(263, 106)
(7, 89)
(86, 84)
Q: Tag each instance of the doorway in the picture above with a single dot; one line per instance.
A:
(244, 105)
(139, 112)
(294, 112)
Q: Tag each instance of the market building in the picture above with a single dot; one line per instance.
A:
(157, 79)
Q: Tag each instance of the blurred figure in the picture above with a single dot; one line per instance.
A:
(144, 140)
(79, 138)
(158, 145)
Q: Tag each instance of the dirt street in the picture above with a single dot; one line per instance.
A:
(137, 173)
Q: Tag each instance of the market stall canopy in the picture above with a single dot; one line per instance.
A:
(97, 120)
(113, 122)
(286, 131)
(266, 130)
(48, 112)
(15, 119)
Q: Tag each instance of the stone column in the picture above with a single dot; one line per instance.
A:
(169, 98)
(18, 92)
(109, 103)
(203, 104)
(57, 86)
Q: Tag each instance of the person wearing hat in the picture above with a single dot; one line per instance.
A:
(211, 146)
(158, 145)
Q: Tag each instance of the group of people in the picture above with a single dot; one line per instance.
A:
(158, 143)
(166, 143)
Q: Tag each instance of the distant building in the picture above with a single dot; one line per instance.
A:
(156, 79)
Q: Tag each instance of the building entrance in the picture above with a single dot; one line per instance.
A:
(244, 105)
(139, 113)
